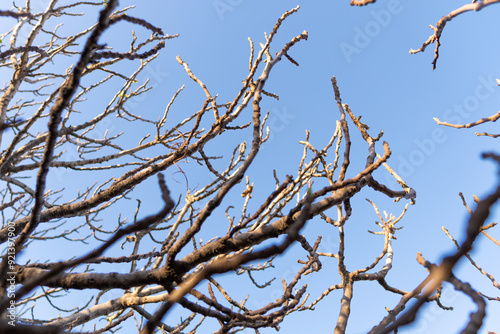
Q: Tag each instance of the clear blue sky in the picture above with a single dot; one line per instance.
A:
(367, 50)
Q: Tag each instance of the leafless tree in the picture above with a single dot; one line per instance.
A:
(45, 109)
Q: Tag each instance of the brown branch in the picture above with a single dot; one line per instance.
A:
(21, 49)
(361, 2)
(202, 85)
(16, 14)
(128, 55)
(487, 134)
(11, 203)
(135, 20)
(345, 128)
(476, 318)
(438, 30)
(492, 118)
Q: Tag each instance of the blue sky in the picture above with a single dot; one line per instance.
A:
(395, 92)
(367, 50)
